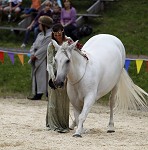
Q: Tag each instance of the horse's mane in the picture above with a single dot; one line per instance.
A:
(78, 48)
(67, 44)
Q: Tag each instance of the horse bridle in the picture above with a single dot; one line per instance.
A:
(64, 51)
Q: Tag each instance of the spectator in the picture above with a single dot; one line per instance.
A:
(37, 60)
(68, 18)
(34, 26)
(57, 117)
(56, 15)
(14, 6)
(35, 5)
(3, 3)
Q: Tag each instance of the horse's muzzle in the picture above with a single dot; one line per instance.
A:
(59, 84)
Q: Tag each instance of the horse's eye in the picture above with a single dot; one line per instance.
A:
(67, 61)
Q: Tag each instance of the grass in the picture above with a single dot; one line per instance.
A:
(15, 79)
(128, 21)
(125, 19)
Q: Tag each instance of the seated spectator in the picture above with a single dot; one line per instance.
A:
(14, 6)
(34, 26)
(68, 18)
(3, 3)
(35, 5)
(56, 15)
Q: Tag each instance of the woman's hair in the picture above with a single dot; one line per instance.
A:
(58, 27)
(65, 1)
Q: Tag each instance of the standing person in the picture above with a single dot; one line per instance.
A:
(68, 18)
(34, 26)
(57, 117)
(38, 58)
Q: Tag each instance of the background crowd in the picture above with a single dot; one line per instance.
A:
(64, 13)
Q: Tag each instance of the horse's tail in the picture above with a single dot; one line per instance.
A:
(128, 95)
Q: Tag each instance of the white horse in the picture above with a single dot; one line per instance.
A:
(89, 80)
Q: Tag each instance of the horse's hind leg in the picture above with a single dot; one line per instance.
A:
(72, 126)
(111, 121)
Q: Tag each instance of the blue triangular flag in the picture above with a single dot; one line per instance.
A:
(127, 64)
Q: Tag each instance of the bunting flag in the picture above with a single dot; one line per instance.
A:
(127, 64)
(2, 57)
(21, 57)
(139, 64)
(11, 56)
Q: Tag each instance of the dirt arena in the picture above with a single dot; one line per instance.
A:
(22, 127)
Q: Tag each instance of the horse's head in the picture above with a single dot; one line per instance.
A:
(62, 61)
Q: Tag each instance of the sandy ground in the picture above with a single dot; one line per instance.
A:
(22, 127)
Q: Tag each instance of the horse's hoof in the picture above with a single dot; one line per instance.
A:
(77, 135)
(110, 131)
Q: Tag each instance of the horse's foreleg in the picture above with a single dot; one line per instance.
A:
(88, 102)
(75, 121)
(111, 121)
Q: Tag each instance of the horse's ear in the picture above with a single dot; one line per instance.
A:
(55, 44)
(73, 45)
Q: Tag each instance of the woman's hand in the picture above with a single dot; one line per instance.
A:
(33, 58)
(51, 84)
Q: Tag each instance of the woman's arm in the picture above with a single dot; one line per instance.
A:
(50, 55)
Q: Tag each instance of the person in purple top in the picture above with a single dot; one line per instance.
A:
(68, 18)
(34, 26)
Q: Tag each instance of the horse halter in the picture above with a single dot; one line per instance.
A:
(64, 51)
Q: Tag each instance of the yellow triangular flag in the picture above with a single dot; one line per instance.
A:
(139, 64)
(21, 57)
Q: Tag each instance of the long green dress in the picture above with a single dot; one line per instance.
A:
(57, 117)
